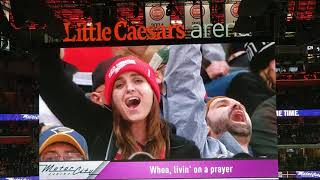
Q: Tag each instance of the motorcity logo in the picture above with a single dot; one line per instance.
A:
(195, 11)
(156, 13)
(69, 170)
(234, 9)
(54, 169)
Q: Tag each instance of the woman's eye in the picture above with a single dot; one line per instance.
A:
(119, 85)
(138, 80)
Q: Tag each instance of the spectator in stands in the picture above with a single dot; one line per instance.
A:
(133, 93)
(213, 62)
(252, 88)
(157, 62)
(264, 129)
(238, 61)
(74, 109)
(145, 53)
(216, 65)
(15, 156)
(98, 75)
(77, 116)
(59, 143)
(184, 104)
(238, 56)
(226, 114)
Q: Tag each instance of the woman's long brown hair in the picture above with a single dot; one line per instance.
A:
(157, 132)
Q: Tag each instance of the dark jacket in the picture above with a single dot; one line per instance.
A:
(250, 90)
(264, 129)
(180, 148)
(67, 101)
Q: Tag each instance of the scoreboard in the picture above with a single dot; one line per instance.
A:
(313, 52)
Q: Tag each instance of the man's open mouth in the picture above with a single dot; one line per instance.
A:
(237, 116)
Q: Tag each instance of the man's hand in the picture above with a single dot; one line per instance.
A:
(217, 69)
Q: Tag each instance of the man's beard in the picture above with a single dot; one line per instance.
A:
(240, 130)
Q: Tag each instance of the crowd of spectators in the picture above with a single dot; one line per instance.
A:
(302, 133)
(17, 128)
(19, 96)
(298, 97)
(298, 76)
(299, 159)
(298, 134)
(19, 159)
(255, 70)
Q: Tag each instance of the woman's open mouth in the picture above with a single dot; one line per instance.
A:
(132, 102)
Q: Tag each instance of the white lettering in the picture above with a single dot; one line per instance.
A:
(227, 28)
(221, 170)
(115, 69)
(159, 170)
(291, 113)
(308, 174)
(29, 116)
(279, 113)
(206, 26)
(196, 29)
(180, 169)
(218, 28)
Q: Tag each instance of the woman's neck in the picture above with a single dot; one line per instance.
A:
(139, 131)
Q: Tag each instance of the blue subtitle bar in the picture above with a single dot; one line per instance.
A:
(19, 117)
(298, 113)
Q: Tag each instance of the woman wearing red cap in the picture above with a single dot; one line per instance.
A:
(132, 92)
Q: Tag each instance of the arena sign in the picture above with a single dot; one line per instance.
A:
(98, 32)
(192, 14)
(156, 15)
(231, 12)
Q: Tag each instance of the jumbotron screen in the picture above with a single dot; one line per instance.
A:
(105, 159)
(158, 89)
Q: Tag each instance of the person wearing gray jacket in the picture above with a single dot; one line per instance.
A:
(183, 100)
